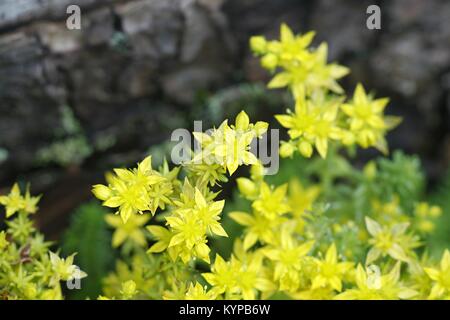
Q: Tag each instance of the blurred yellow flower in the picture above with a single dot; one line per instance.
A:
(330, 271)
(132, 229)
(366, 119)
(15, 202)
(440, 277)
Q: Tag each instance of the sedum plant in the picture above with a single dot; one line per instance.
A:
(28, 269)
(336, 232)
(342, 233)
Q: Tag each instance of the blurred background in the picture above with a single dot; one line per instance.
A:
(76, 103)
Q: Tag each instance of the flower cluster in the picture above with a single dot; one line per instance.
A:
(321, 112)
(318, 237)
(302, 68)
(326, 231)
(133, 191)
(191, 213)
(294, 263)
(280, 249)
(187, 207)
(15, 202)
(228, 146)
(28, 269)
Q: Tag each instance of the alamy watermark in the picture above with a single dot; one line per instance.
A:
(373, 22)
(74, 283)
(73, 21)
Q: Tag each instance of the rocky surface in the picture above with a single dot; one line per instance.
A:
(127, 74)
(104, 94)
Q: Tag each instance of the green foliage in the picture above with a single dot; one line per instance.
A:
(440, 239)
(70, 146)
(88, 235)
(402, 175)
(72, 150)
(28, 269)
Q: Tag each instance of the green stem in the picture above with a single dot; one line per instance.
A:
(327, 173)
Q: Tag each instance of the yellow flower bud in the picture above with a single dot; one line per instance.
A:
(286, 150)
(261, 128)
(370, 170)
(51, 294)
(305, 149)
(435, 211)
(257, 171)
(337, 228)
(426, 226)
(258, 44)
(30, 291)
(247, 187)
(242, 121)
(128, 289)
(269, 61)
(101, 192)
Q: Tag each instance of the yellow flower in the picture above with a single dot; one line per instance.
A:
(367, 121)
(311, 75)
(392, 241)
(272, 203)
(312, 124)
(189, 237)
(197, 292)
(418, 278)
(250, 278)
(160, 195)
(441, 277)
(258, 227)
(208, 213)
(330, 271)
(190, 226)
(129, 190)
(238, 278)
(372, 285)
(287, 257)
(229, 145)
(424, 216)
(301, 67)
(132, 229)
(301, 200)
(291, 50)
(128, 289)
(210, 173)
(15, 202)
(52, 294)
(287, 149)
(223, 275)
(64, 269)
